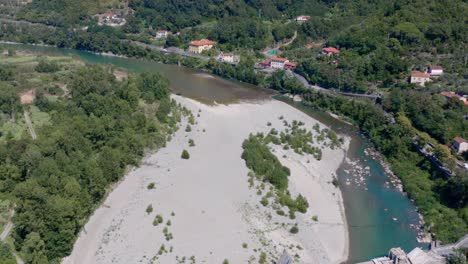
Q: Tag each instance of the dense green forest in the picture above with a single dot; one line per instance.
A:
(92, 136)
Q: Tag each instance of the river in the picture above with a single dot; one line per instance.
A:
(378, 215)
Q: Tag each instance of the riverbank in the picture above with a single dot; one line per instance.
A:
(212, 212)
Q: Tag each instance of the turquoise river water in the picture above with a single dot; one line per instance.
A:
(379, 216)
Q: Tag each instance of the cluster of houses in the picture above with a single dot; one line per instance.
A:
(421, 78)
(111, 19)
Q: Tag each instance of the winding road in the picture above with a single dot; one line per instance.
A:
(31, 130)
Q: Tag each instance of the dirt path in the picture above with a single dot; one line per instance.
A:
(31, 130)
(6, 231)
(4, 235)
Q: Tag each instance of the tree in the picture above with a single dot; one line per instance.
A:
(185, 154)
(45, 66)
(33, 249)
(9, 101)
(5, 254)
(163, 110)
(442, 152)
(6, 73)
(458, 257)
(153, 86)
(408, 33)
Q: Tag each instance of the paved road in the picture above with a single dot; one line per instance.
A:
(31, 130)
(173, 50)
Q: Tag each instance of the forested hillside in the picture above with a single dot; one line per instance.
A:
(87, 138)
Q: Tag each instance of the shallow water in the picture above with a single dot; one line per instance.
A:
(378, 215)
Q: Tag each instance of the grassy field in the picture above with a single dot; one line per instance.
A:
(27, 79)
(38, 118)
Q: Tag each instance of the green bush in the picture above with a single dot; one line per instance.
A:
(149, 209)
(260, 159)
(294, 230)
(151, 186)
(45, 66)
(158, 220)
(185, 154)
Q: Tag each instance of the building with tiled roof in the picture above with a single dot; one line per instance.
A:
(198, 46)
(460, 144)
(331, 51)
(435, 70)
(419, 78)
(278, 63)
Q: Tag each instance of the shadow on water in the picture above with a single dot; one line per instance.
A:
(378, 215)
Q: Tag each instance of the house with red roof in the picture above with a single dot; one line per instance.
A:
(449, 95)
(264, 64)
(419, 78)
(162, 33)
(278, 63)
(331, 51)
(460, 145)
(198, 46)
(290, 66)
(435, 70)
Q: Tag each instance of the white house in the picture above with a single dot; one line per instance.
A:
(460, 145)
(228, 57)
(435, 70)
(278, 63)
(302, 18)
(419, 78)
(111, 19)
(162, 34)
